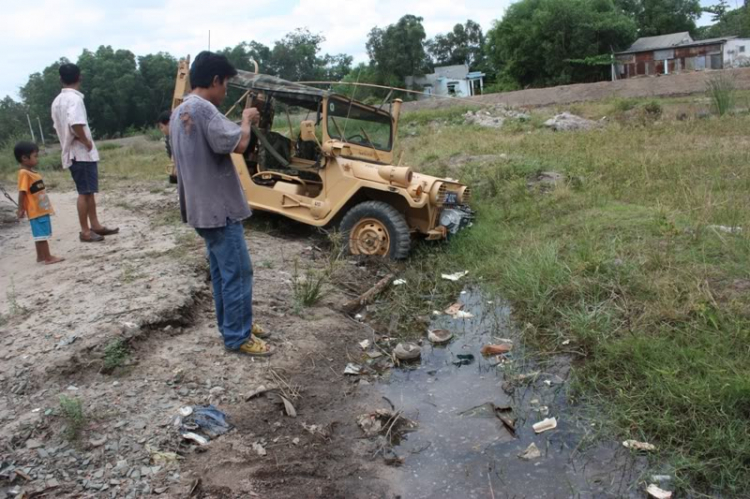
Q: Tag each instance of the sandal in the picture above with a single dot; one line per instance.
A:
(256, 348)
(93, 237)
(106, 232)
(258, 332)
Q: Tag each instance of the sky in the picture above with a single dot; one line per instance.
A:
(37, 33)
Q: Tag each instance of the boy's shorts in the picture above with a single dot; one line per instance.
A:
(86, 176)
(41, 228)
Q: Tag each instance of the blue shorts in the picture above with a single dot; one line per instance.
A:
(41, 228)
(86, 176)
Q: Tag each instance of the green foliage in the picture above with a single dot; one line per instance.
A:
(463, 45)
(721, 90)
(71, 410)
(727, 23)
(661, 17)
(115, 354)
(307, 289)
(537, 41)
(398, 51)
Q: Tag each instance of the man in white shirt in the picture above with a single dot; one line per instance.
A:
(79, 153)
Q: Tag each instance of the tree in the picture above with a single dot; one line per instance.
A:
(12, 119)
(661, 17)
(397, 51)
(727, 23)
(295, 57)
(40, 90)
(538, 42)
(241, 55)
(157, 73)
(463, 45)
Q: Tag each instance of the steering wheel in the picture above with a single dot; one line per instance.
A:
(280, 176)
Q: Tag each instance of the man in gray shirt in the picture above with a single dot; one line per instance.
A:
(211, 197)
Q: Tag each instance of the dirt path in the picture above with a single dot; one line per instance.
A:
(147, 287)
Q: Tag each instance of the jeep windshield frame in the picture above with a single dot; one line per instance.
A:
(356, 123)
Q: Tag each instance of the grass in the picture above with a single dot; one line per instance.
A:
(721, 90)
(622, 260)
(115, 354)
(308, 289)
(71, 409)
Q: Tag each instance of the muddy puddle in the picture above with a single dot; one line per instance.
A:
(462, 449)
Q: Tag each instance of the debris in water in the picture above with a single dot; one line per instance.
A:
(382, 420)
(636, 445)
(353, 369)
(463, 315)
(496, 349)
(259, 449)
(532, 452)
(464, 359)
(399, 282)
(365, 344)
(657, 493)
(439, 336)
(545, 425)
(455, 276)
(507, 419)
(407, 351)
(454, 309)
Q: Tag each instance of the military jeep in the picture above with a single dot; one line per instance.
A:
(323, 159)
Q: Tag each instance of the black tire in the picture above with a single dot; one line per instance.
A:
(394, 222)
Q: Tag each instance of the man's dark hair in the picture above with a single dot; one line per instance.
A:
(24, 148)
(70, 73)
(164, 117)
(206, 66)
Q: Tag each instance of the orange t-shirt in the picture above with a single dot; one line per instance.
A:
(36, 202)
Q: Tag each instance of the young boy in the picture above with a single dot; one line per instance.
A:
(33, 200)
(163, 122)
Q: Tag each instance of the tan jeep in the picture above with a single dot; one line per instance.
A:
(322, 159)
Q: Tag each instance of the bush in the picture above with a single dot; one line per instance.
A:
(721, 91)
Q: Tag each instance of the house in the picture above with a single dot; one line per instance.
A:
(448, 81)
(678, 53)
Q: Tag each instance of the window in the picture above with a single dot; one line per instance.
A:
(359, 125)
(451, 89)
(742, 48)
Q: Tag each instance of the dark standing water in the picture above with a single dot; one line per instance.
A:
(464, 453)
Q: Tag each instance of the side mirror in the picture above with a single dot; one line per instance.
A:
(307, 131)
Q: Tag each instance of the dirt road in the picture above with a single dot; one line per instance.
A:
(148, 287)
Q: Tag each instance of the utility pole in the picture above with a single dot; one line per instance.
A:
(31, 129)
(41, 134)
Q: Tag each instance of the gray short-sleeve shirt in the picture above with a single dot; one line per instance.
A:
(208, 184)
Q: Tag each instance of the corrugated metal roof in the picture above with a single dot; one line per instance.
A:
(683, 39)
(458, 71)
(647, 43)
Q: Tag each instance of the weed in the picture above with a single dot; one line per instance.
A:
(115, 354)
(721, 90)
(307, 289)
(71, 409)
(15, 308)
(266, 264)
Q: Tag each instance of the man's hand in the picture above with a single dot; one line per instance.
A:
(80, 135)
(251, 115)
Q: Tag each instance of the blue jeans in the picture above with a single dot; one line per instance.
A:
(232, 278)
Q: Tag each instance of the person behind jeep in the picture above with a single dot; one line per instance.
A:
(211, 197)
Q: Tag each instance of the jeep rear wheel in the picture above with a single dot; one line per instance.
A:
(375, 228)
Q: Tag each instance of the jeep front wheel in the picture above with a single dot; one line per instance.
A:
(375, 228)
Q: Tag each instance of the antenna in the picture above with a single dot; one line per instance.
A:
(209, 40)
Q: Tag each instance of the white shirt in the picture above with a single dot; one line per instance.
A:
(68, 110)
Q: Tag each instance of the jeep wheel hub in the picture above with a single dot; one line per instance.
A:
(369, 237)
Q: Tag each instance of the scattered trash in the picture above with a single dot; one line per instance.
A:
(352, 369)
(407, 351)
(314, 429)
(384, 421)
(288, 407)
(259, 449)
(456, 276)
(532, 452)
(654, 491)
(548, 382)
(436, 313)
(545, 425)
(359, 317)
(185, 411)
(636, 445)
(295, 441)
(439, 336)
(365, 344)
(208, 420)
(464, 359)
(454, 309)
(496, 349)
(566, 342)
(374, 354)
(463, 315)
(725, 229)
(195, 438)
(399, 282)
(162, 458)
